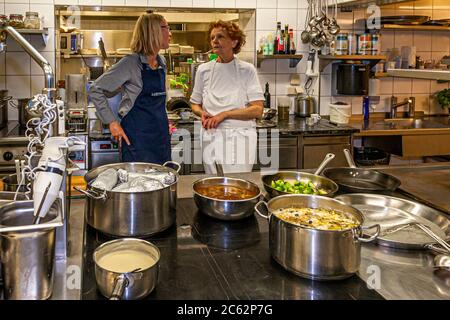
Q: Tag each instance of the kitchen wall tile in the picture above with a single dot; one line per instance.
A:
(325, 85)
(422, 103)
(301, 67)
(36, 69)
(2, 7)
(2, 64)
(13, 46)
(440, 14)
(37, 84)
(440, 41)
(345, 20)
(385, 104)
(246, 4)
(66, 2)
(158, 3)
(266, 3)
(302, 4)
(403, 38)
(46, 13)
(386, 85)
(17, 1)
(17, 63)
(267, 66)
(301, 18)
(247, 56)
(142, 3)
(181, 3)
(287, 16)
(420, 86)
(387, 40)
(425, 55)
(301, 47)
(290, 4)
(437, 55)
(41, 1)
(283, 81)
(402, 85)
(113, 2)
(37, 42)
(203, 3)
(90, 2)
(221, 3)
(422, 40)
(324, 109)
(17, 8)
(436, 86)
(283, 67)
(266, 19)
(357, 105)
(18, 86)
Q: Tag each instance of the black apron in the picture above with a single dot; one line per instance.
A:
(146, 124)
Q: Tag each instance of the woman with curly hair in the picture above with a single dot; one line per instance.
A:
(228, 97)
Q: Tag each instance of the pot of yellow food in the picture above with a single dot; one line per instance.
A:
(315, 237)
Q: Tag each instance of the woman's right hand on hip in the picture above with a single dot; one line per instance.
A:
(117, 133)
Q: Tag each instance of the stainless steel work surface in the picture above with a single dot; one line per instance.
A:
(389, 212)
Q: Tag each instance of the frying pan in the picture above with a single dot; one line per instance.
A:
(355, 179)
(320, 181)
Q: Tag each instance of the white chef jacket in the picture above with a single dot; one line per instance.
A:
(221, 87)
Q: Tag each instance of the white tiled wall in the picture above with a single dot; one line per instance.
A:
(429, 45)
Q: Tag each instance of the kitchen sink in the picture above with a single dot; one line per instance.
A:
(411, 123)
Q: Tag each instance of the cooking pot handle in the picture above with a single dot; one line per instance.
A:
(91, 194)
(328, 158)
(436, 248)
(120, 283)
(372, 237)
(259, 212)
(173, 162)
(349, 158)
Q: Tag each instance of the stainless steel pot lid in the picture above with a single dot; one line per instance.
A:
(391, 211)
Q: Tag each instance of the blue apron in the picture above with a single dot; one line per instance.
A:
(146, 124)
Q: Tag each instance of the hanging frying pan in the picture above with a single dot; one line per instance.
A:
(355, 179)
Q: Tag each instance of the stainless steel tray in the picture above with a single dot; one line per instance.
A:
(391, 211)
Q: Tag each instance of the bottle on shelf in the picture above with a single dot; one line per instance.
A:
(287, 40)
(277, 39)
(281, 43)
(292, 45)
(267, 96)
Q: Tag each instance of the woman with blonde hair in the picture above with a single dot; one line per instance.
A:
(142, 119)
(228, 97)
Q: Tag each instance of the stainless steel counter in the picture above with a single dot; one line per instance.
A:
(402, 274)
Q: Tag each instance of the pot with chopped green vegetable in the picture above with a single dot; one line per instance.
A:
(315, 237)
(297, 182)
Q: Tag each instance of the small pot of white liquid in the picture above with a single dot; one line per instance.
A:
(126, 268)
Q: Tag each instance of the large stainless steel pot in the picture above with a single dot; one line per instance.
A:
(27, 251)
(131, 214)
(137, 283)
(225, 209)
(304, 106)
(313, 253)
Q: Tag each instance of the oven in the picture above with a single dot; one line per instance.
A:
(102, 151)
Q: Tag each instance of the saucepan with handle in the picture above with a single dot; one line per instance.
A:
(126, 268)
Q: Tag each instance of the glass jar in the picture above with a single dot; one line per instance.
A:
(3, 20)
(32, 20)
(16, 20)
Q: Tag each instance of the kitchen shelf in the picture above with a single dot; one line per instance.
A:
(325, 60)
(294, 59)
(381, 75)
(442, 75)
(414, 27)
(43, 32)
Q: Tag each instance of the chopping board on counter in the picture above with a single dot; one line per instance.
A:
(430, 185)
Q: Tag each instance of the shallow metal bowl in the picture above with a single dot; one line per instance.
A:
(225, 209)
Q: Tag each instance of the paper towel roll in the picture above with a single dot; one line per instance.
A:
(374, 87)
